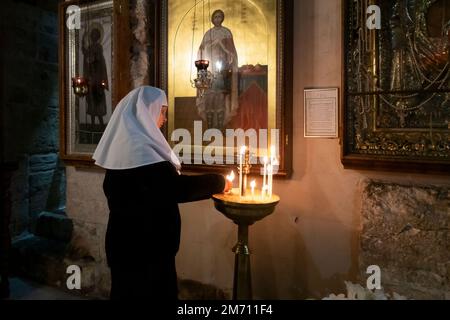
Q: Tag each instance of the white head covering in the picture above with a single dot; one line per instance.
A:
(132, 138)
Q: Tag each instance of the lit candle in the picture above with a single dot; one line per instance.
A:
(241, 156)
(253, 185)
(270, 178)
(230, 178)
(263, 192)
(273, 155)
(273, 162)
(266, 160)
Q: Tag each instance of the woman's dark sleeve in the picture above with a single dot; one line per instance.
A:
(195, 188)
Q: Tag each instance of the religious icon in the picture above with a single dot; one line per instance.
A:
(243, 64)
(226, 67)
(92, 53)
(94, 69)
(220, 102)
(397, 85)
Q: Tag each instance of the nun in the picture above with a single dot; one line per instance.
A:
(143, 187)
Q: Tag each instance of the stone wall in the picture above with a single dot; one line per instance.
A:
(30, 128)
(406, 232)
(141, 45)
(38, 187)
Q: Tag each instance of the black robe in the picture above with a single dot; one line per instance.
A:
(143, 233)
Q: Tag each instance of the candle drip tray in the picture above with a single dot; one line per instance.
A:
(245, 210)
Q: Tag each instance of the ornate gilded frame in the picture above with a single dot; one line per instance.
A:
(396, 88)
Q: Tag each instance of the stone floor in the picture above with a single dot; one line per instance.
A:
(22, 289)
(25, 289)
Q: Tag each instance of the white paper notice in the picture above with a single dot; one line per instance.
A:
(321, 113)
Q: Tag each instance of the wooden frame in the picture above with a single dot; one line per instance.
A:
(395, 140)
(282, 84)
(77, 151)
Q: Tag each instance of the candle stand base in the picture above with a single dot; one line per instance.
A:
(243, 212)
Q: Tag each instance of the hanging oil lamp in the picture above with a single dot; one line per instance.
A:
(202, 64)
(80, 86)
(204, 77)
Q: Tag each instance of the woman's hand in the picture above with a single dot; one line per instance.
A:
(228, 186)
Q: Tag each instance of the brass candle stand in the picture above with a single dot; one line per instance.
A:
(246, 166)
(244, 211)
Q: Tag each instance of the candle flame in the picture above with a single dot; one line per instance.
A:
(243, 149)
(253, 184)
(231, 176)
(266, 160)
